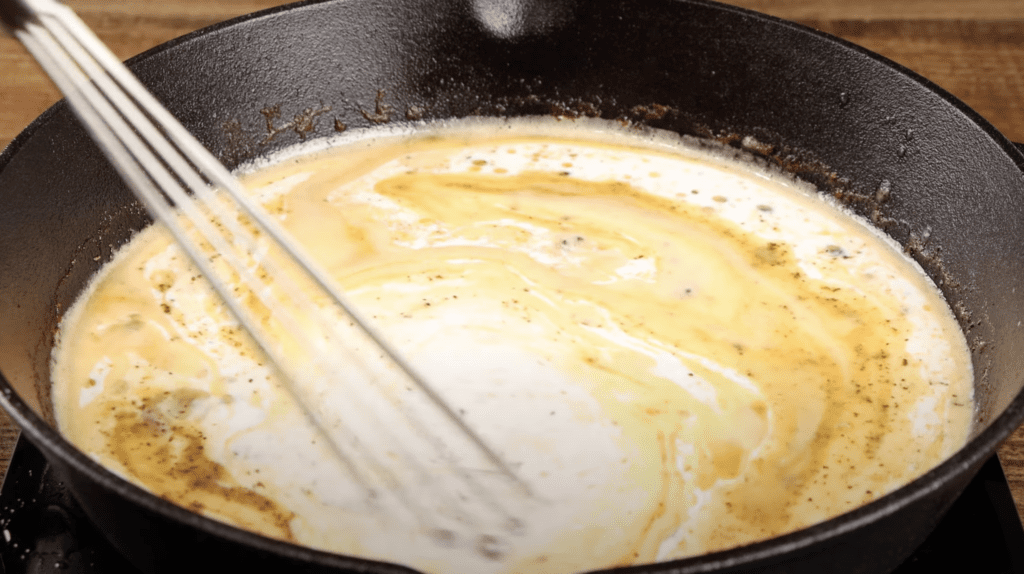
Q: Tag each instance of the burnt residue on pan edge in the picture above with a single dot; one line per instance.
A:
(112, 231)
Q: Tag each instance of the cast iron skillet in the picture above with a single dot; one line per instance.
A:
(920, 164)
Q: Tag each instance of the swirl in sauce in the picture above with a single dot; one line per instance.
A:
(681, 353)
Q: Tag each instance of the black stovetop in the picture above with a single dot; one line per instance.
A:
(44, 531)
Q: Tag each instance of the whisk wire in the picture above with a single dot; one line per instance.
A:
(123, 145)
(233, 241)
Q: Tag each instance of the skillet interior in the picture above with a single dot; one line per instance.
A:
(929, 171)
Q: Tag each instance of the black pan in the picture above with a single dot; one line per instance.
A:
(918, 163)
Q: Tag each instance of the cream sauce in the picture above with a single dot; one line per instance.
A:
(679, 353)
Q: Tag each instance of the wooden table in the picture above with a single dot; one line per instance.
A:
(974, 49)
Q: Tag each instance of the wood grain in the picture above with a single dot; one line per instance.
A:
(832, 10)
(974, 50)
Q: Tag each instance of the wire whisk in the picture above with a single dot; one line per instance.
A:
(399, 440)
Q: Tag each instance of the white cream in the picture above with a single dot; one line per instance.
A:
(678, 353)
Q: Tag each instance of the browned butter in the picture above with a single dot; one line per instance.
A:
(680, 353)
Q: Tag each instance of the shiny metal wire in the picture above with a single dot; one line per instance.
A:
(408, 446)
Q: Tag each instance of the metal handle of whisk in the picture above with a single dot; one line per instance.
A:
(320, 349)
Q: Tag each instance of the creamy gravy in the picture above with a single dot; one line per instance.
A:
(680, 353)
